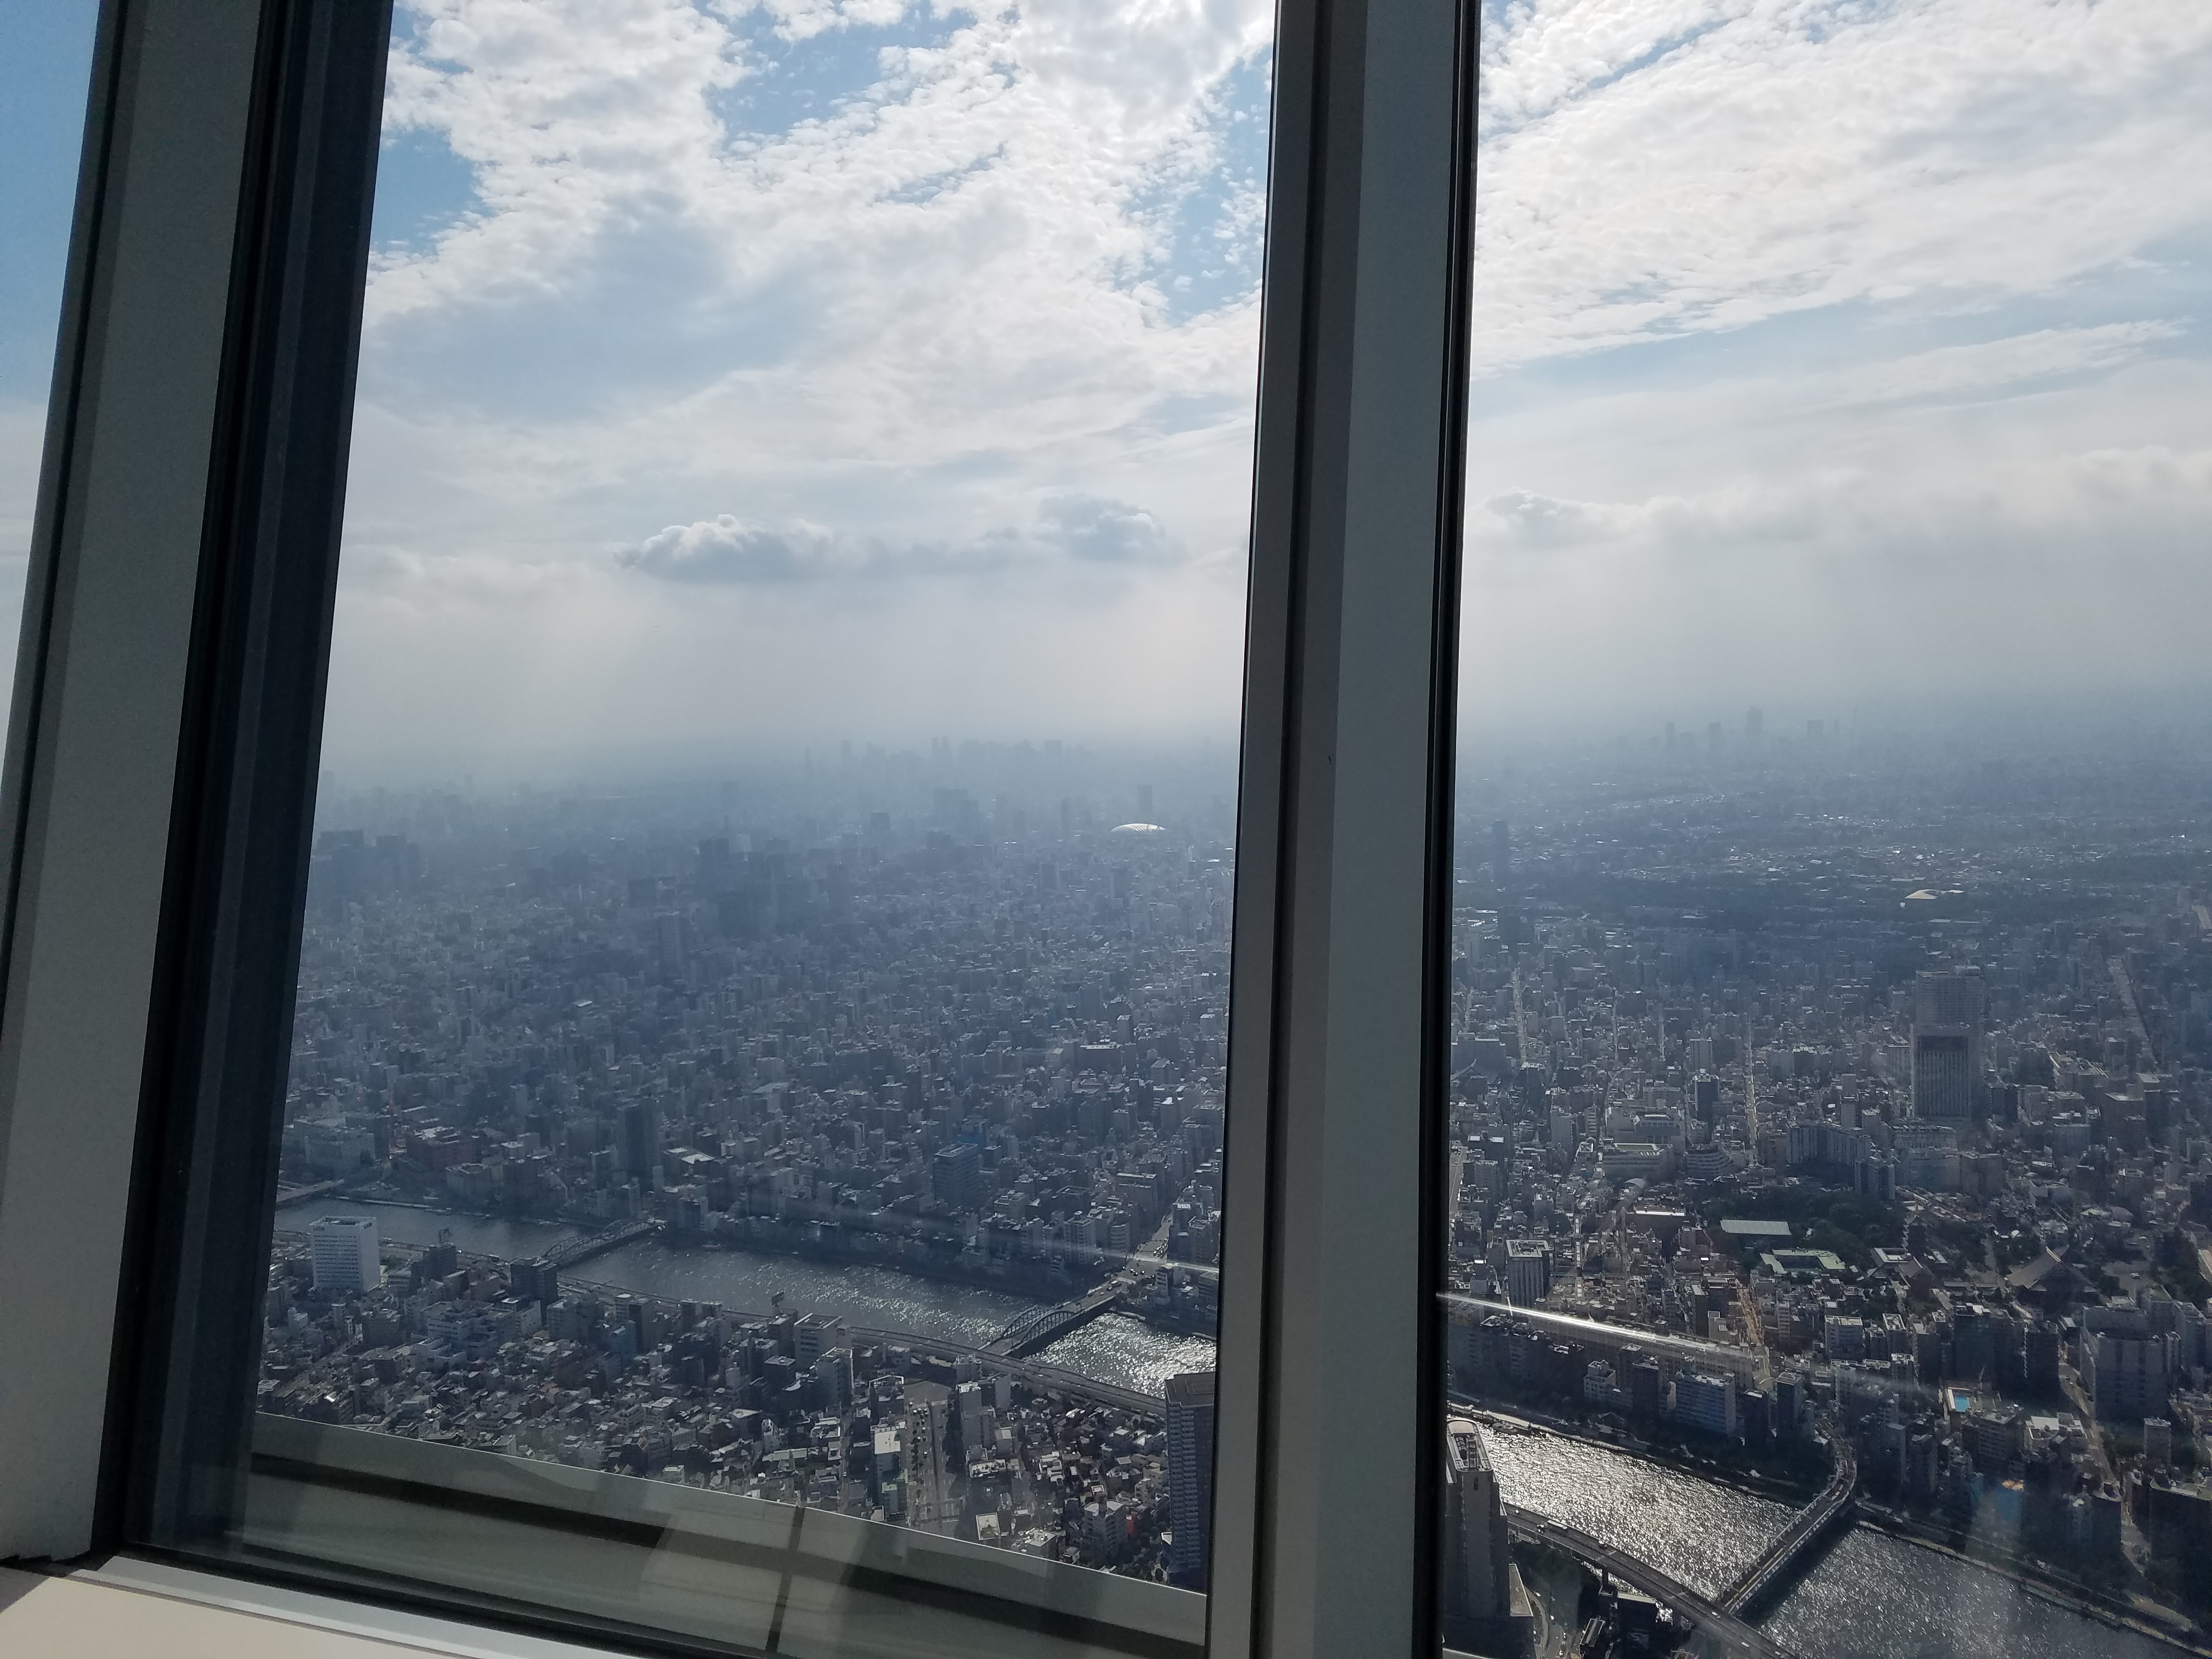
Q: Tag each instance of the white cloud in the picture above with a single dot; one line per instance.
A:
(1993, 365)
(1831, 350)
(926, 329)
(1804, 327)
(802, 20)
(1787, 156)
(725, 549)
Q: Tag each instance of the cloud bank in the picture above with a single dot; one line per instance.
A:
(861, 368)
(726, 550)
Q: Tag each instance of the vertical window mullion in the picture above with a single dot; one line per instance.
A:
(93, 751)
(220, 1044)
(1325, 1382)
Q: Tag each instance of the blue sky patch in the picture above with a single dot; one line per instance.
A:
(45, 68)
(421, 188)
(790, 82)
(1210, 256)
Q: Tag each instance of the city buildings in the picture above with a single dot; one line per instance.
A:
(1822, 1154)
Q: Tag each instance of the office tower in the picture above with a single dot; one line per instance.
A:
(637, 1141)
(2158, 1443)
(1143, 803)
(1486, 1608)
(2127, 1373)
(668, 936)
(815, 1335)
(345, 1253)
(535, 1280)
(1190, 1475)
(1528, 1271)
(1501, 853)
(1754, 724)
(1705, 1096)
(1949, 1011)
(1706, 1403)
(714, 862)
(956, 1177)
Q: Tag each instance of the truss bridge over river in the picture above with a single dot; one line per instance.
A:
(1040, 1327)
(574, 1252)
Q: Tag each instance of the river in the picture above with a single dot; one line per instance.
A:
(1873, 1597)
(1691, 1529)
(1120, 1350)
(1877, 1597)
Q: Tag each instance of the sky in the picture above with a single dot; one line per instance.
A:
(1839, 355)
(46, 66)
(748, 375)
(743, 377)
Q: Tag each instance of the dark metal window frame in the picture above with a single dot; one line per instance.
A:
(162, 753)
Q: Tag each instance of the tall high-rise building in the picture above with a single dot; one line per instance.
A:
(1528, 1271)
(637, 1140)
(1190, 1475)
(1754, 724)
(2127, 1373)
(1485, 1608)
(345, 1253)
(1948, 1012)
(956, 1177)
(1501, 853)
(668, 940)
(535, 1280)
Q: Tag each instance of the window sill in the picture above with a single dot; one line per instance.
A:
(127, 1606)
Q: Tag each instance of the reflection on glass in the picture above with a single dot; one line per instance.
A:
(46, 62)
(760, 1034)
(1828, 1151)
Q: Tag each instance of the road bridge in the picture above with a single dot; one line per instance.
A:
(574, 1252)
(1040, 1327)
(1801, 1543)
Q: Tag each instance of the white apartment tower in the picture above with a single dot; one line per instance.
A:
(345, 1253)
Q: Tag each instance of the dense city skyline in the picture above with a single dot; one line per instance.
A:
(1828, 1117)
(781, 782)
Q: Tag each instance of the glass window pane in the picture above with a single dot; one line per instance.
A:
(1831, 948)
(46, 63)
(751, 1165)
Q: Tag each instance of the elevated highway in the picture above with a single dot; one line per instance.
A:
(1722, 1631)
